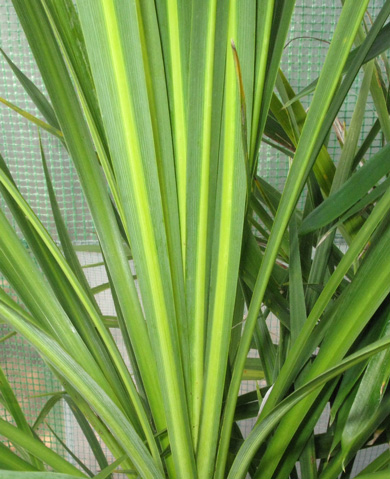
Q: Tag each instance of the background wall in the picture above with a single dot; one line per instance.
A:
(311, 30)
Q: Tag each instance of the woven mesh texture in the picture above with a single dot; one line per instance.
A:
(312, 27)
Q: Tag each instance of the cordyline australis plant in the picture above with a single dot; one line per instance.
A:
(162, 106)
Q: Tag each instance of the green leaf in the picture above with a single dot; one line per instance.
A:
(343, 172)
(95, 396)
(47, 305)
(313, 129)
(37, 448)
(275, 38)
(67, 29)
(51, 402)
(226, 247)
(375, 475)
(12, 405)
(103, 474)
(175, 41)
(12, 462)
(351, 312)
(359, 207)
(381, 462)
(34, 475)
(100, 288)
(128, 124)
(157, 89)
(63, 234)
(380, 44)
(7, 336)
(253, 370)
(33, 119)
(159, 124)
(207, 46)
(296, 290)
(352, 377)
(65, 25)
(352, 191)
(88, 432)
(262, 429)
(303, 347)
(70, 116)
(34, 93)
(370, 428)
(73, 300)
(71, 453)
(368, 397)
(265, 28)
(266, 348)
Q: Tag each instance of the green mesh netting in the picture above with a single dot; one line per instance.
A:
(312, 27)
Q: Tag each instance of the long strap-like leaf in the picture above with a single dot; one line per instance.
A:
(70, 117)
(201, 179)
(261, 431)
(226, 248)
(346, 29)
(128, 124)
(90, 390)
